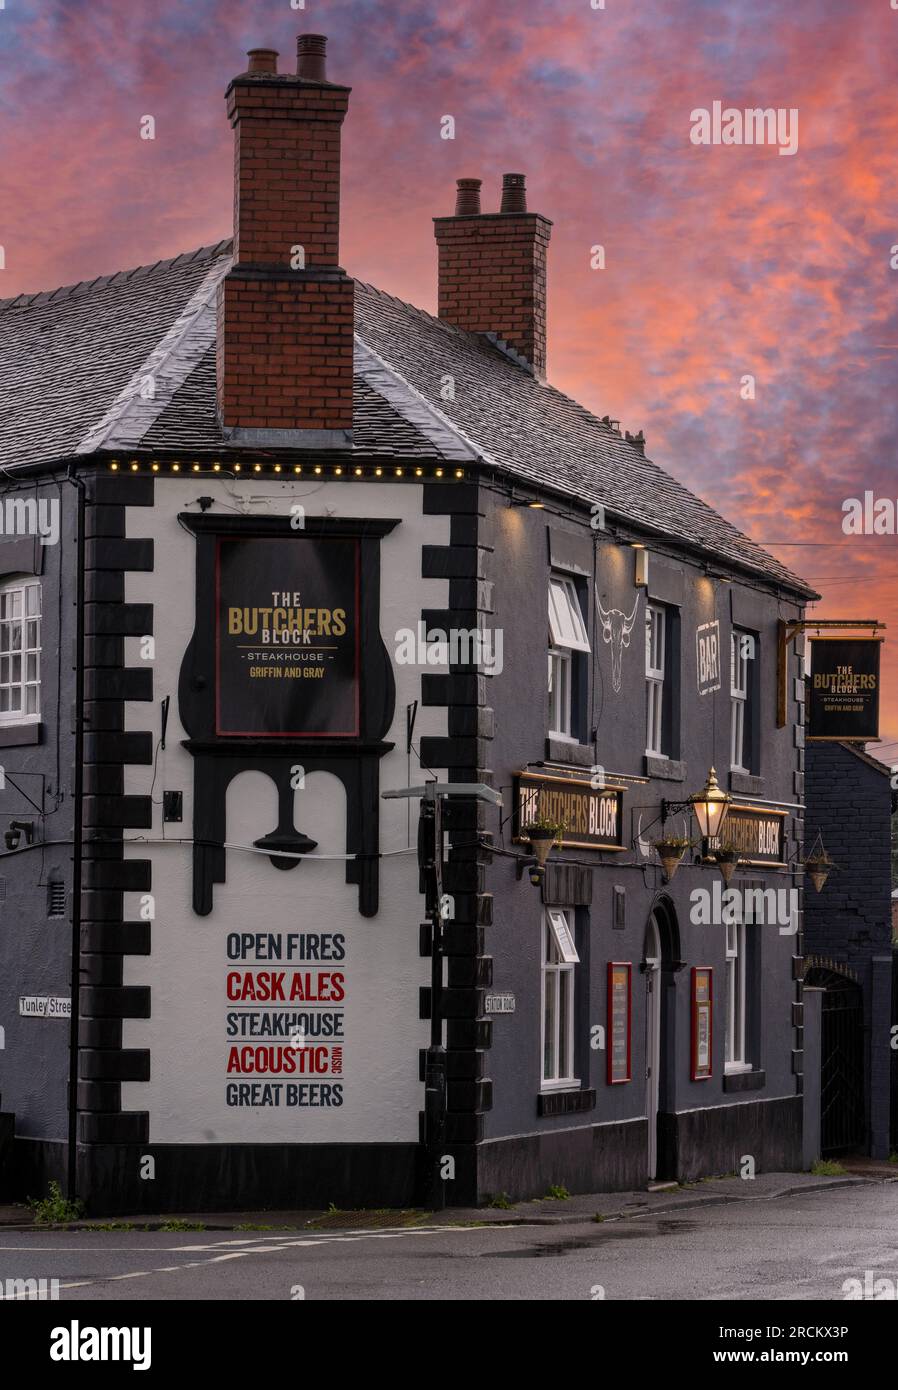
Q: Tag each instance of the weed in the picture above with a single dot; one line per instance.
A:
(54, 1208)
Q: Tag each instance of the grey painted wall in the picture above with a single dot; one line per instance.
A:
(523, 542)
(35, 950)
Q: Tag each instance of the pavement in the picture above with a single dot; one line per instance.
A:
(544, 1211)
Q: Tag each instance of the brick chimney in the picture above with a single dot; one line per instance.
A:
(492, 268)
(285, 309)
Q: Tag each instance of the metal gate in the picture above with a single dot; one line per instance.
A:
(842, 1063)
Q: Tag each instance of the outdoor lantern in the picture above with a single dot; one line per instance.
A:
(711, 806)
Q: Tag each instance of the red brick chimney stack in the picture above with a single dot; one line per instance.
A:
(285, 310)
(492, 268)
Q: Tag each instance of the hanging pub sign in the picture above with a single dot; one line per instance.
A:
(287, 637)
(618, 1043)
(843, 688)
(592, 817)
(702, 1030)
(755, 831)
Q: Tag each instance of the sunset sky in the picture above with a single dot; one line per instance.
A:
(721, 261)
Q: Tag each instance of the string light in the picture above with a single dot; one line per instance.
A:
(337, 471)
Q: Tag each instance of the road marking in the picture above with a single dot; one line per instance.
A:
(249, 1248)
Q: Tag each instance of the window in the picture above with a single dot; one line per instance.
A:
(734, 998)
(655, 653)
(560, 960)
(568, 639)
(742, 654)
(20, 651)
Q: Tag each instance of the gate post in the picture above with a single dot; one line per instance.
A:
(813, 1061)
(880, 1054)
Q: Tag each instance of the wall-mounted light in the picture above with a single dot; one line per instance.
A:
(711, 807)
(641, 567)
(18, 828)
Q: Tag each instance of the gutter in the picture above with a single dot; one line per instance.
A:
(77, 841)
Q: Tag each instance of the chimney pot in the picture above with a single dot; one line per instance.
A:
(467, 197)
(514, 193)
(311, 57)
(262, 60)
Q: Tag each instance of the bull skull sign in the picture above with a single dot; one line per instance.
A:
(616, 629)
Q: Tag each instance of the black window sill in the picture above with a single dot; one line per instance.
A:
(558, 750)
(744, 1080)
(668, 769)
(746, 782)
(18, 735)
(565, 1102)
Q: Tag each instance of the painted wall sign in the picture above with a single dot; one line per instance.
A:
(702, 1023)
(45, 1006)
(707, 657)
(287, 637)
(500, 1004)
(618, 1022)
(616, 629)
(756, 832)
(285, 1025)
(593, 818)
(843, 688)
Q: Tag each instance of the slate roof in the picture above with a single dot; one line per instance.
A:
(73, 362)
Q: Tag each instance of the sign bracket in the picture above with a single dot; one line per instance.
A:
(787, 632)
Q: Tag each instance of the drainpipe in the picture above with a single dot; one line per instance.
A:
(77, 838)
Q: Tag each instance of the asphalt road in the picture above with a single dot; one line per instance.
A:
(791, 1248)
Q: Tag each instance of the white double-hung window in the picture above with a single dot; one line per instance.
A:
(734, 998)
(567, 637)
(739, 658)
(655, 640)
(559, 963)
(20, 651)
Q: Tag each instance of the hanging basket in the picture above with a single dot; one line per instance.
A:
(818, 870)
(727, 860)
(670, 852)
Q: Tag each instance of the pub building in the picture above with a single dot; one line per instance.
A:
(316, 546)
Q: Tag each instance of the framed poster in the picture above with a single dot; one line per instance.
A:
(843, 688)
(618, 1039)
(287, 637)
(702, 1026)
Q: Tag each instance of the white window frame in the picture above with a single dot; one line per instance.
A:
(739, 678)
(655, 656)
(559, 962)
(735, 998)
(20, 639)
(567, 634)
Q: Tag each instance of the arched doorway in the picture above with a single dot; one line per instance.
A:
(842, 1060)
(661, 960)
